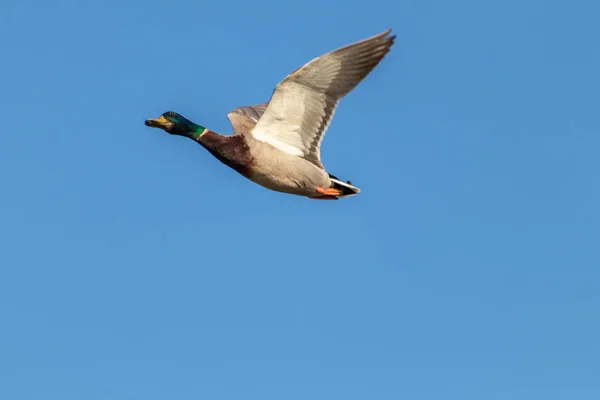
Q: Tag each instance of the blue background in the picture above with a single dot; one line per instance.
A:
(136, 266)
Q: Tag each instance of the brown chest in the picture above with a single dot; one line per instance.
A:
(232, 151)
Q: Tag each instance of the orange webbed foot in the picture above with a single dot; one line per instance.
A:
(329, 191)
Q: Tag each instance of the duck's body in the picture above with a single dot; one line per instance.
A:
(267, 166)
(283, 172)
(277, 144)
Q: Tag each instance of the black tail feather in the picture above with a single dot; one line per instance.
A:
(346, 188)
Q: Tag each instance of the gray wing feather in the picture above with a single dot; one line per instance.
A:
(302, 105)
(243, 119)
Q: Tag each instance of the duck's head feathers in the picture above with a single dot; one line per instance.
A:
(176, 124)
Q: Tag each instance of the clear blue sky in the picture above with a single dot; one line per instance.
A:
(136, 266)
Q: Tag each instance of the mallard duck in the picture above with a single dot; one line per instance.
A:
(277, 144)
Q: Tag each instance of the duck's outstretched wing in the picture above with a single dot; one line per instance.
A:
(243, 119)
(302, 105)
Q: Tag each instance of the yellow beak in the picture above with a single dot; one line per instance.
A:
(160, 122)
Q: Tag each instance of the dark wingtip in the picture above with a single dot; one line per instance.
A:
(386, 34)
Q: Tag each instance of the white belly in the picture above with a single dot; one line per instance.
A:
(286, 173)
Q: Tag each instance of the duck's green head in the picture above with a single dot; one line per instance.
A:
(175, 124)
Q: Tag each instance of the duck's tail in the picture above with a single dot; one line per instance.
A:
(346, 187)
